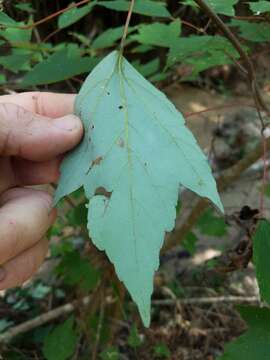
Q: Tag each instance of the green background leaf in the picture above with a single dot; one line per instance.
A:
(159, 34)
(61, 342)
(260, 6)
(58, 67)
(74, 14)
(253, 344)
(212, 225)
(261, 254)
(143, 7)
(251, 31)
(225, 7)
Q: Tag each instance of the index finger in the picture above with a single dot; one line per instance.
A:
(48, 104)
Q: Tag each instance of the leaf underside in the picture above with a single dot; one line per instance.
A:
(135, 153)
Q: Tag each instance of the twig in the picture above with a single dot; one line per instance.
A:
(118, 310)
(131, 6)
(219, 107)
(187, 23)
(99, 328)
(51, 16)
(225, 179)
(265, 173)
(208, 300)
(43, 319)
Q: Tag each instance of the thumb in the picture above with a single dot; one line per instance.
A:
(34, 137)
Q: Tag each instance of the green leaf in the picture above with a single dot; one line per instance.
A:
(2, 79)
(143, 7)
(211, 225)
(223, 7)
(74, 14)
(189, 3)
(15, 62)
(189, 243)
(142, 49)
(162, 351)
(82, 38)
(58, 67)
(6, 20)
(25, 7)
(159, 34)
(134, 339)
(110, 354)
(261, 257)
(78, 271)
(251, 31)
(61, 342)
(135, 153)
(267, 190)
(187, 48)
(147, 69)
(109, 37)
(78, 215)
(260, 6)
(206, 61)
(219, 6)
(254, 343)
(16, 35)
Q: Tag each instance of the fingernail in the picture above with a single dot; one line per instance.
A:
(2, 273)
(68, 123)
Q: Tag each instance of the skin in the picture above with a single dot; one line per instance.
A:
(36, 129)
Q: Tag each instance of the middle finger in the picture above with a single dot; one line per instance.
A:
(25, 216)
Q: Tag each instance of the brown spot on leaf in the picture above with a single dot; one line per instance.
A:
(121, 142)
(97, 161)
(102, 191)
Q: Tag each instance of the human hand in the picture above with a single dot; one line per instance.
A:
(35, 129)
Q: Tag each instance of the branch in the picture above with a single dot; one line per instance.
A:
(209, 300)
(42, 319)
(225, 179)
(218, 107)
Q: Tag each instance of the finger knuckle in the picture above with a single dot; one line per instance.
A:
(11, 117)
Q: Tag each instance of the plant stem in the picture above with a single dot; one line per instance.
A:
(131, 6)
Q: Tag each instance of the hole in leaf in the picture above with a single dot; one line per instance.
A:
(120, 107)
